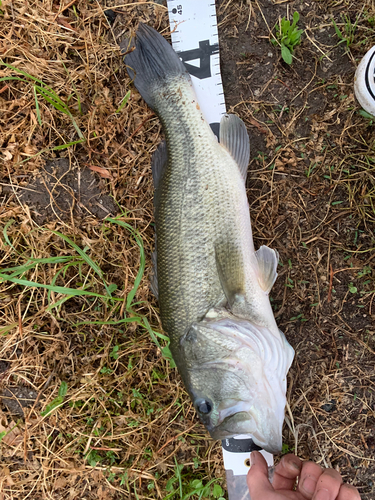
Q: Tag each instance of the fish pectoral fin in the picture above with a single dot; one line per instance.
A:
(235, 139)
(268, 260)
(230, 272)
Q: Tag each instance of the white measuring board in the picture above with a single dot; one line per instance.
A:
(195, 39)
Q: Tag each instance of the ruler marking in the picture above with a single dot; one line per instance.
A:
(196, 42)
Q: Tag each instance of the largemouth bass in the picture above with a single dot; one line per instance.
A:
(212, 285)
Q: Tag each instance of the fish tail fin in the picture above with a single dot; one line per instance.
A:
(152, 63)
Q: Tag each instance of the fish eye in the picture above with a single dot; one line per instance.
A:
(203, 406)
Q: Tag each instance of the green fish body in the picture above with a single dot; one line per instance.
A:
(212, 285)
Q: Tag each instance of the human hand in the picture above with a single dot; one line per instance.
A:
(314, 483)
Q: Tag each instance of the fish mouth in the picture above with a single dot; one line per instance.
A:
(267, 434)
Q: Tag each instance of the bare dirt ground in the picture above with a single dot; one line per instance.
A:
(91, 406)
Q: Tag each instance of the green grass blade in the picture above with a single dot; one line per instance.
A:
(8, 328)
(8, 224)
(78, 130)
(21, 72)
(86, 258)
(57, 289)
(47, 93)
(142, 258)
(55, 103)
(124, 101)
(57, 401)
(68, 144)
(34, 262)
(178, 474)
(14, 78)
(56, 276)
(338, 32)
(142, 320)
(37, 107)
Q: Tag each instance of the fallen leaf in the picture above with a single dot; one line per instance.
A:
(11, 435)
(62, 21)
(60, 482)
(8, 155)
(73, 493)
(104, 493)
(5, 473)
(103, 172)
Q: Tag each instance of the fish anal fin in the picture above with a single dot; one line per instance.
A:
(268, 260)
(235, 139)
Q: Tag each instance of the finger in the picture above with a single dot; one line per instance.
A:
(348, 492)
(286, 472)
(257, 477)
(328, 485)
(308, 480)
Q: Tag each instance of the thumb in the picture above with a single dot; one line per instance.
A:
(257, 477)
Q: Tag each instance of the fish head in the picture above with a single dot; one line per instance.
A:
(235, 372)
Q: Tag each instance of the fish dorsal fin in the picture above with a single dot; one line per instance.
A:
(268, 260)
(154, 276)
(235, 139)
(158, 163)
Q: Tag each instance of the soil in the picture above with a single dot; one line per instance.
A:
(16, 398)
(59, 192)
(311, 191)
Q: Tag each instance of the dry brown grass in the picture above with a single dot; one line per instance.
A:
(126, 420)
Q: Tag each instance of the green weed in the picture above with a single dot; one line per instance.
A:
(57, 401)
(44, 91)
(181, 487)
(369, 18)
(123, 102)
(286, 449)
(366, 115)
(347, 35)
(299, 317)
(288, 36)
(366, 270)
(114, 354)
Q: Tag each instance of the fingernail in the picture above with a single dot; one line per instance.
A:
(293, 465)
(253, 458)
(309, 484)
(322, 494)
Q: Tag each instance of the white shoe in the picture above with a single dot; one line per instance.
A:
(364, 82)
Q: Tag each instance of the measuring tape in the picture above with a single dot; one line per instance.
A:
(195, 39)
